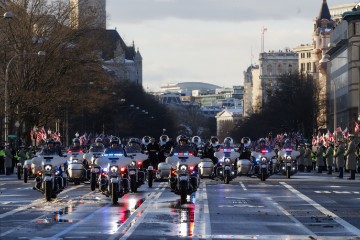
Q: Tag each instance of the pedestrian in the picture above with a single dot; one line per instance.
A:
(307, 157)
(340, 159)
(320, 158)
(301, 158)
(329, 156)
(2, 160)
(8, 159)
(351, 157)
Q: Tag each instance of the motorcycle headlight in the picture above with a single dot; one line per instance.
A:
(288, 158)
(47, 167)
(264, 160)
(133, 163)
(183, 167)
(227, 160)
(75, 161)
(114, 169)
(105, 169)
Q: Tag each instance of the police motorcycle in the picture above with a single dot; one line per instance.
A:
(163, 168)
(113, 178)
(288, 160)
(244, 163)
(75, 166)
(225, 169)
(184, 179)
(51, 180)
(136, 171)
(206, 165)
(263, 161)
(92, 173)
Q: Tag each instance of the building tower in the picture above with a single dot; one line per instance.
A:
(91, 12)
(323, 26)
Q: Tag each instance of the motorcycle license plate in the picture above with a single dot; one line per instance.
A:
(132, 172)
(227, 167)
(288, 164)
(263, 166)
(183, 178)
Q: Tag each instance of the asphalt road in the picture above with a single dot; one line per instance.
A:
(306, 206)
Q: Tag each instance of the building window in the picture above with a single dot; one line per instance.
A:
(269, 69)
(302, 67)
(357, 28)
(308, 67)
(280, 70)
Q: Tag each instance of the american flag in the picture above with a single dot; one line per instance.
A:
(356, 129)
(41, 135)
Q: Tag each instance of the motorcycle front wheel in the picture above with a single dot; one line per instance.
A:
(227, 177)
(114, 193)
(19, 172)
(25, 175)
(263, 175)
(48, 190)
(93, 181)
(133, 184)
(288, 172)
(150, 179)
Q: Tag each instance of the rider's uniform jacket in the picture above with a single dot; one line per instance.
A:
(133, 149)
(49, 151)
(182, 148)
(76, 148)
(97, 148)
(114, 150)
(153, 148)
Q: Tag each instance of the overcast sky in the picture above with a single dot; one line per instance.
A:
(212, 41)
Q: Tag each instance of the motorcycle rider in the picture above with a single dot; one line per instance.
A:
(340, 159)
(133, 146)
(76, 146)
(153, 150)
(50, 148)
(210, 148)
(97, 146)
(58, 147)
(165, 147)
(115, 147)
(182, 146)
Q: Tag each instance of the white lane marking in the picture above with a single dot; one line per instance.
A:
(34, 220)
(141, 217)
(202, 224)
(243, 186)
(37, 201)
(336, 218)
(65, 231)
(136, 215)
(299, 225)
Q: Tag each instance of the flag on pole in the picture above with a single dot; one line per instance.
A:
(356, 127)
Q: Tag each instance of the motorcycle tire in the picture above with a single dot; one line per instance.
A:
(288, 172)
(183, 193)
(150, 179)
(25, 175)
(227, 177)
(48, 190)
(93, 181)
(263, 176)
(114, 193)
(19, 172)
(77, 181)
(133, 184)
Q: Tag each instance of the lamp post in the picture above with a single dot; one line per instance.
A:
(6, 96)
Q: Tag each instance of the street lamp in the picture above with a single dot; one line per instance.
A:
(6, 113)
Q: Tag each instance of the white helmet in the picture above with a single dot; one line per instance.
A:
(214, 141)
(146, 140)
(229, 139)
(164, 139)
(196, 140)
(246, 141)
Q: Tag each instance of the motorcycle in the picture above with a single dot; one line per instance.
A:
(288, 162)
(113, 178)
(184, 179)
(27, 171)
(92, 173)
(263, 163)
(50, 180)
(225, 168)
(137, 173)
(206, 166)
(75, 167)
